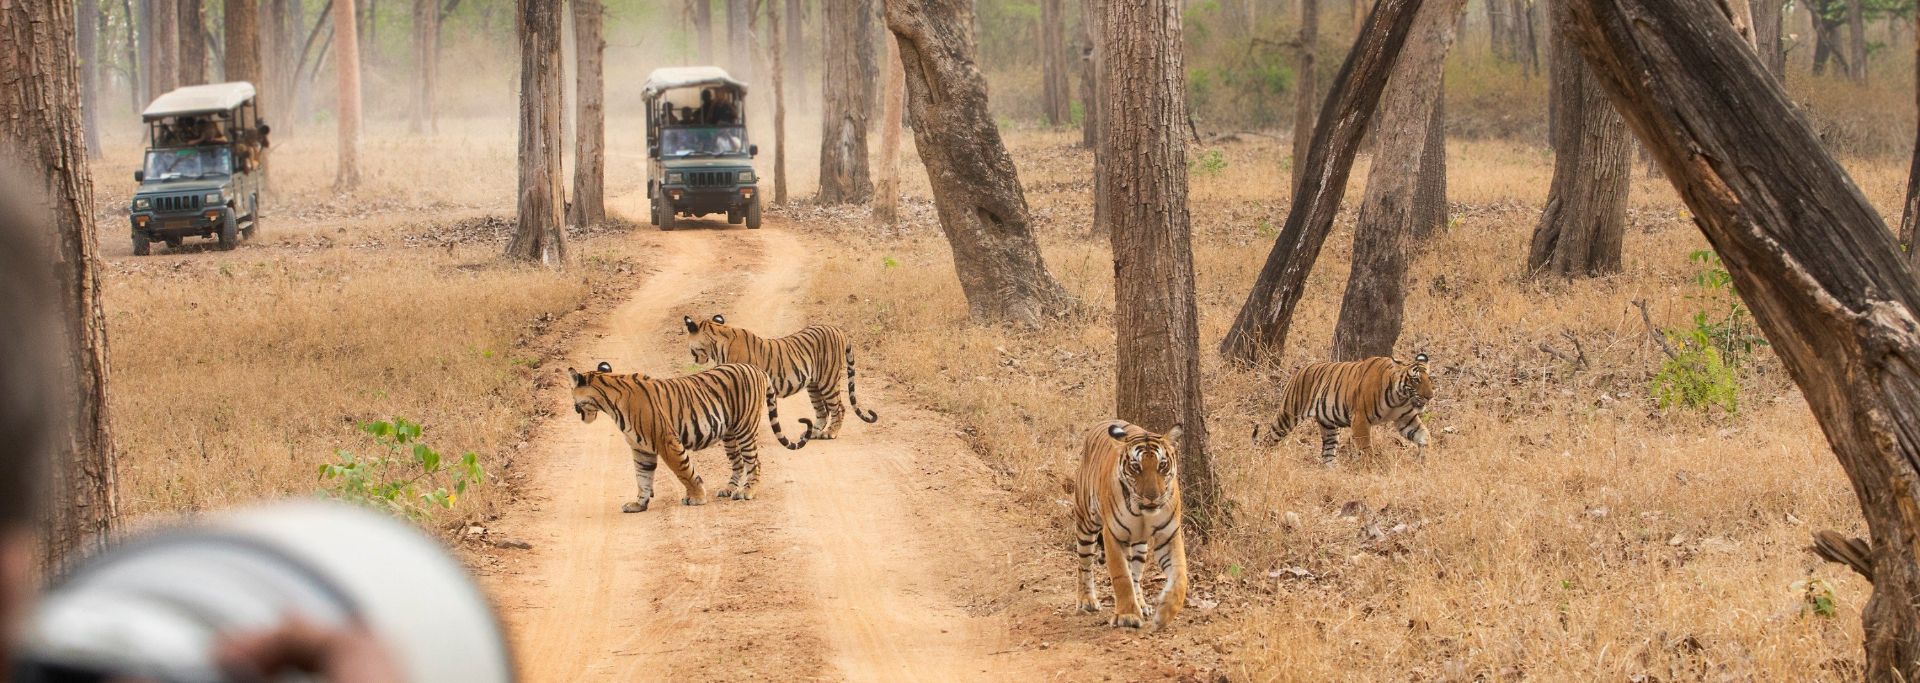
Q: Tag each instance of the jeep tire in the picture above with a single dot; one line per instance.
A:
(141, 246)
(753, 214)
(666, 214)
(229, 232)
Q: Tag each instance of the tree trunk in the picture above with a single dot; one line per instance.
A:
(301, 89)
(192, 32)
(1260, 329)
(590, 115)
(780, 74)
(135, 53)
(242, 54)
(1430, 196)
(976, 189)
(1527, 43)
(1371, 311)
(40, 131)
(796, 44)
(541, 235)
(1157, 368)
(886, 205)
(1306, 96)
(1857, 30)
(1585, 221)
(1910, 215)
(1809, 255)
(703, 29)
(1766, 35)
(1089, 88)
(1497, 38)
(346, 65)
(87, 45)
(163, 45)
(847, 102)
(1053, 62)
(426, 63)
(739, 52)
(1093, 13)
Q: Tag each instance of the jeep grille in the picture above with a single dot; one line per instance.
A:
(710, 178)
(182, 202)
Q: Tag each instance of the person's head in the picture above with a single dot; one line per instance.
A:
(30, 403)
(706, 97)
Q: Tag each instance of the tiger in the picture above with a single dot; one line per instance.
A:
(808, 359)
(1357, 394)
(1126, 503)
(668, 419)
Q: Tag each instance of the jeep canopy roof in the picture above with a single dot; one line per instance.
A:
(675, 77)
(202, 99)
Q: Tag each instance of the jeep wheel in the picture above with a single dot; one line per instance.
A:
(666, 214)
(141, 246)
(753, 214)
(229, 233)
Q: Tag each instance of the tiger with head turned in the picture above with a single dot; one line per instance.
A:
(1126, 504)
(816, 358)
(1357, 394)
(668, 419)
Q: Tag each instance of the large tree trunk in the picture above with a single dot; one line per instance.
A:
(1808, 254)
(886, 203)
(1157, 368)
(703, 29)
(346, 65)
(1260, 329)
(590, 115)
(242, 34)
(1053, 63)
(163, 48)
(847, 102)
(1306, 90)
(1857, 47)
(426, 63)
(87, 44)
(1371, 311)
(192, 32)
(975, 187)
(1430, 194)
(778, 51)
(739, 51)
(41, 132)
(1767, 20)
(1910, 215)
(541, 235)
(1581, 230)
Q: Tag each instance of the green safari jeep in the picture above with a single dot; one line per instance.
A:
(698, 159)
(202, 176)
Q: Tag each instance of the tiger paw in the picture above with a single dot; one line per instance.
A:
(635, 506)
(691, 500)
(727, 493)
(1126, 620)
(1089, 605)
(744, 494)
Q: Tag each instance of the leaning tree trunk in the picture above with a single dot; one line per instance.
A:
(87, 45)
(1053, 62)
(1260, 329)
(192, 32)
(1910, 215)
(1806, 251)
(426, 64)
(163, 48)
(346, 66)
(541, 234)
(41, 132)
(590, 115)
(1375, 302)
(1581, 230)
(1430, 194)
(1157, 359)
(975, 187)
(739, 51)
(886, 203)
(847, 101)
(1306, 91)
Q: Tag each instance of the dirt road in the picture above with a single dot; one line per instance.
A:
(885, 554)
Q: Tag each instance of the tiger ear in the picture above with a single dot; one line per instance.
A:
(605, 367)
(1173, 435)
(1117, 431)
(692, 326)
(719, 319)
(1420, 358)
(579, 380)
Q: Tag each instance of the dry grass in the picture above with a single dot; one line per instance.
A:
(1562, 528)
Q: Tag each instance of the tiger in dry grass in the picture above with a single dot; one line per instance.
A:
(1126, 504)
(817, 358)
(1357, 394)
(668, 419)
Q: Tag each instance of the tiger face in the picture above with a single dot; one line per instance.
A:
(704, 338)
(1416, 384)
(1147, 467)
(588, 401)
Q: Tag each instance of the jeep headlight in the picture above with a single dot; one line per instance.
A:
(746, 176)
(675, 178)
(213, 198)
(142, 204)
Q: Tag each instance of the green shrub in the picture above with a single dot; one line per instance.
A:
(404, 476)
(1697, 376)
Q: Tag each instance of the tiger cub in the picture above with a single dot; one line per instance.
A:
(813, 359)
(668, 419)
(1126, 504)
(1357, 394)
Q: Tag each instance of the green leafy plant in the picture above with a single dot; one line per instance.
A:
(1816, 598)
(888, 263)
(1725, 321)
(403, 475)
(1210, 162)
(1702, 368)
(1696, 376)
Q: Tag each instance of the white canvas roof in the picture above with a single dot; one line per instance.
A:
(200, 99)
(673, 77)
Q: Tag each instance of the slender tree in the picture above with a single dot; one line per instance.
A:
(88, 46)
(1157, 368)
(1809, 255)
(589, 144)
(192, 33)
(739, 51)
(1857, 46)
(163, 48)
(242, 53)
(886, 204)
(1371, 311)
(976, 189)
(778, 54)
(703, 28)
(847, 101)
(1430, 195)
(40, 130)
(1585, 221)
(1306, 89)
(346, 65)
(796, 44)
(426, 63)
(1053, 63)
(541, 235)
(1089, 97)
(1260, 329)
(134, 53)
(1093, 17)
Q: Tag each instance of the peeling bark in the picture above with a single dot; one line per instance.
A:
(847, 103)
(541, 234)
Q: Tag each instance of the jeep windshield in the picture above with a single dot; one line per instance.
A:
(188, 164)
(677, 143)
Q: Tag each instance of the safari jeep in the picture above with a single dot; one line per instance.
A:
(205, 145)
(698, 159)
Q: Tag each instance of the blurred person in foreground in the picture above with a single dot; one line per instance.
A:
(33, 393)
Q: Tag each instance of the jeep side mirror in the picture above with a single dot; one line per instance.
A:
(139, 176)
(753, 150)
